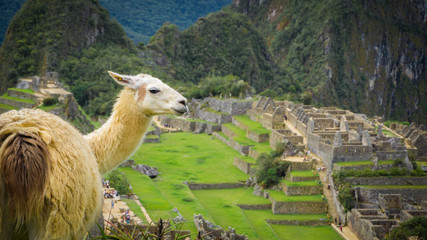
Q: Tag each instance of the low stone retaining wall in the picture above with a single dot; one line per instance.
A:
(301, 190)
(242, 165)
(298, 207)
(253, 154)
(242, 149)
(357, 167)
(301, 179)
(16, 103)
(408, 194)
(256, 137)
(387, 180)
(205, 186)
(228, 132)
(391, 155)
(19, 94)
(320, 222)
(189, 126)
(301, 166)
(213, 117)
(151, 140)
(239, 124)
(254, 207)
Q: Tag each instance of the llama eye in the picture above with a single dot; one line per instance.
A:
(154, 90)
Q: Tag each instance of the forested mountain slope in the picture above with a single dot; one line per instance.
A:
(367, 56)
(44, 32)
(142, 18)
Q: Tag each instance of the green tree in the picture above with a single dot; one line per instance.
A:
(118, 181)
(415, 228)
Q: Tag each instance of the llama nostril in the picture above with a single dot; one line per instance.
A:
(183, 102)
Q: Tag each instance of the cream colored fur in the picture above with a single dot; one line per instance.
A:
(72, 197)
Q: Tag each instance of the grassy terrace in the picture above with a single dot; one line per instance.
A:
(393, 186)
(198, 158)
(4, 106)
(6, 96)
(181, 157)
(252, 125)
(242, 139)
(422, 163)
(29, 91)
(48, 108)
(279, 196)
(358, 163)
(306, 232)
(300, 184)
(308, 173)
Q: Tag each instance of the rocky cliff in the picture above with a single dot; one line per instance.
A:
(367, 56)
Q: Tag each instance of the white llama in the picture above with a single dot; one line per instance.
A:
(50, 175)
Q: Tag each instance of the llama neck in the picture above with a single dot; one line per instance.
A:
(121, 135)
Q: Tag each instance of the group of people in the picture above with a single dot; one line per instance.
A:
(111, 193)
(105, 183)
(319, 169)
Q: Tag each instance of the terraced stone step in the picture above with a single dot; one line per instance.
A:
(301, 188)
(301, 176)
(17, 102)
(22, 93)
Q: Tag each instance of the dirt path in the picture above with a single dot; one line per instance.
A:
(346, 233)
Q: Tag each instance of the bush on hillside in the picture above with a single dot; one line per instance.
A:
(50, 101)
(269, 170)
(412, 229)
(118, 181)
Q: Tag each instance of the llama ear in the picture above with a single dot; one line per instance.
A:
(123, 80)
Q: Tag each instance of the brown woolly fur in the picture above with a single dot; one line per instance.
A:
(64, 184)
(24, 170)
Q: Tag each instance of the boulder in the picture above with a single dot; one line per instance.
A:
(147, 170)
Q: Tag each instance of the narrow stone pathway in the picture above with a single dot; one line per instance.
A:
(346, 233)
(144, 211)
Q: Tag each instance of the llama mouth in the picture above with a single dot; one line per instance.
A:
(179, 111)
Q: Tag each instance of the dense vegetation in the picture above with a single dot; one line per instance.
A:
(142, 19)
(43, 33)
(8, 9)
(223, 43)
(412, 229)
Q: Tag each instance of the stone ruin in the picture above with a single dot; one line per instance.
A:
(209, 231)
(378, 222)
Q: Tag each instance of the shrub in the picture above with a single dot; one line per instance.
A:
(269, 172)
(418, 172)
(50, 101)
(412, 229)
(118, 181)
(347, 197)
(395, 171)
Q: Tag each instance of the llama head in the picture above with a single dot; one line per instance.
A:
(151, 95)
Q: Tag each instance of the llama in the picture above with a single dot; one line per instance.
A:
(50, 174)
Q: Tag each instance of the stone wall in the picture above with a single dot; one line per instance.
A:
(278, 136)
(253, 153)
(301, 190)
(387, 180)
(17, 104)
(363, 228)
(298, 207)
(391, 155)
(256, 137)
(229, 106)
(177, 123)
(254, 207)
(352, 153)
(19, 94)
(242, 165)
(320, 222)
(242, 149)
(204, 186)
(228, 132)
(408, 194)
(213, 117)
